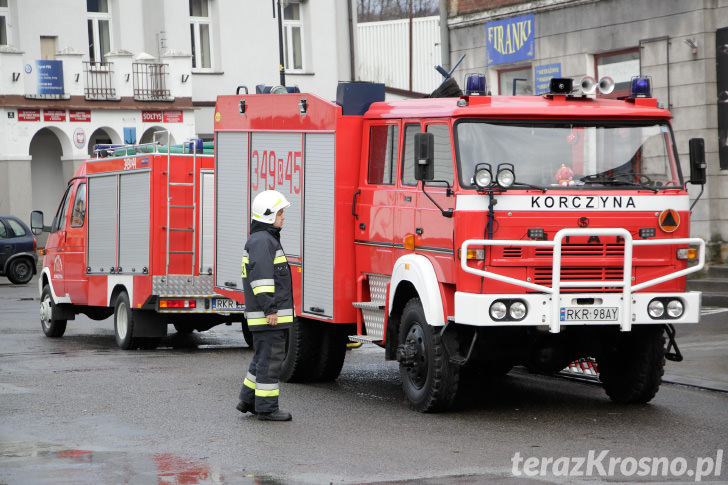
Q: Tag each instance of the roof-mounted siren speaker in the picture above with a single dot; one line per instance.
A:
(606, 85)
(588, 85)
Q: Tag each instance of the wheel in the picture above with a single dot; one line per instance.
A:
(52, 327)
(20, 271)
(124, 322)
(631, 370)
(302, 347)
(148, 343)
(247, 334)
(429, 381)
(332, 354)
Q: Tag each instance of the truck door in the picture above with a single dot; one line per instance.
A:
(74, 257)
(407, 192)
(435, 230)
(56, 246)
(375, 209)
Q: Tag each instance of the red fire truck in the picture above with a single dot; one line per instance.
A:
(468, 234)
(133, 238)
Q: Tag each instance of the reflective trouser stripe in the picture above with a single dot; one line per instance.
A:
(267, 390)
(280, 259)
(249, 381)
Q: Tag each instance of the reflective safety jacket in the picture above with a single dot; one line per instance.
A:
(266, 279)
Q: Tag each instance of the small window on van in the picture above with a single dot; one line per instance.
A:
(78, 216)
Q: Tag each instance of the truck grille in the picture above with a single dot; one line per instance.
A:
(583, 250)
(543, 275)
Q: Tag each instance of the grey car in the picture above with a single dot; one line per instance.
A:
(18, 259)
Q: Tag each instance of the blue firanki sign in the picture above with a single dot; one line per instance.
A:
(510, 40)
(543, 75)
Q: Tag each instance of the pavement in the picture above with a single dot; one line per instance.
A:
(704, 346)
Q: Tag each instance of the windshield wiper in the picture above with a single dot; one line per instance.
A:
(617, 180)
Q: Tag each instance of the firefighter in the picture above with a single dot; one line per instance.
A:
(268, 306)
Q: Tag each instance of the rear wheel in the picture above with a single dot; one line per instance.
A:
(247, 334)
(631, 369)
(124, 322)
(429, 380)
(20, 271)
(333, 351)
(52, 327)
(302, 347)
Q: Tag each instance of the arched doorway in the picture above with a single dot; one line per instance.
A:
(148, 136)
(102, 136)
(46, 171)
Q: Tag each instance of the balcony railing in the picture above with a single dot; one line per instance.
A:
(98, 81)
(150, 82)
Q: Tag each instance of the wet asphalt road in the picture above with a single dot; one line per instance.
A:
(79, 410)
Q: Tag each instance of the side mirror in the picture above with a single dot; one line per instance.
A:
(36, 222)
(424, 156)
(697, 161)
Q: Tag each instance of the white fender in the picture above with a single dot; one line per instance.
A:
(127, 281)
(418, 270)
(56, 298)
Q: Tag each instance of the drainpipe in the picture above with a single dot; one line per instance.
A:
(352, 47)
(444, 36)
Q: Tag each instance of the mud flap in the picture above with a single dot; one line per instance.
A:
(149, 324)
(459, 342)
(63, 312)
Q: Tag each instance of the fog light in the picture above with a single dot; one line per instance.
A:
(656, 308)
(505, 178)
(483, 178)
(517, 310)
(687, 253)
(498, 310)
(675, 309)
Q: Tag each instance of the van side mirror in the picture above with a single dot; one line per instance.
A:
(424, 156)
(36, 222)
(697, 161)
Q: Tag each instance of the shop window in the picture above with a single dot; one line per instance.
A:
(4, 22)
(293, 36)
(621, 66)
(99, 25)
(383, 141)
(518, 82)
(200, 34)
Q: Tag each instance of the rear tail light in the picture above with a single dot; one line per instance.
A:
(177, 304)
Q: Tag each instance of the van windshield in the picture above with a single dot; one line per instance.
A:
(570, 155)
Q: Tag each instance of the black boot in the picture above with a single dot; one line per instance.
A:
(244, 407)
(276, 415)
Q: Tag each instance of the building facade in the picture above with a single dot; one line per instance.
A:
(682, 45)
(77, 73)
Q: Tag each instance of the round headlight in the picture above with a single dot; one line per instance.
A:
(656, 308)
(675, 308)
(506, 178)
(483, 178)
(517, 310)
(498, 310)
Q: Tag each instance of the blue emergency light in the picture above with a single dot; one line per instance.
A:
(475, 84)
(641, 87)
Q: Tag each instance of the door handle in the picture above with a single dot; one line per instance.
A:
(408, 198)
(353, 204)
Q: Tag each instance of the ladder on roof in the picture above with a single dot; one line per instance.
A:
(182, 202)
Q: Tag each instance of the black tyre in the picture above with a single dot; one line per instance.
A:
(247, 334)
(183, 328)
(124, 323)
(631, 370)
(148, 343)
(429, 381)
(332, 354)
(20, 271)
(52, 327)
(302, 347)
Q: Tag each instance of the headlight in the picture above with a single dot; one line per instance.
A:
(498, 310)
(506, 178)
(483, 178)
(656, 308)
(517, 310)
(675, 308)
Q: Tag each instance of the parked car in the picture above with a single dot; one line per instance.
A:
(18, 259)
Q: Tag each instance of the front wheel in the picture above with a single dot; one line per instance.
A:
(631, 369)
(20, 271)
(429, 380)
(52, 327)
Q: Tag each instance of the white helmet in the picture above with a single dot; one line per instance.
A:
(267, 204)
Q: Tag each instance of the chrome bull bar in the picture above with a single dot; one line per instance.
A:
(556, 284)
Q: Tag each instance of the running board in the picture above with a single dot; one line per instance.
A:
(365, 339)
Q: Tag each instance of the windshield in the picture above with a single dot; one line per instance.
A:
(571, 155)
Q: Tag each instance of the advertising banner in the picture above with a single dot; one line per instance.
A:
(543, 75)
(510, 40)
(44, 77)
